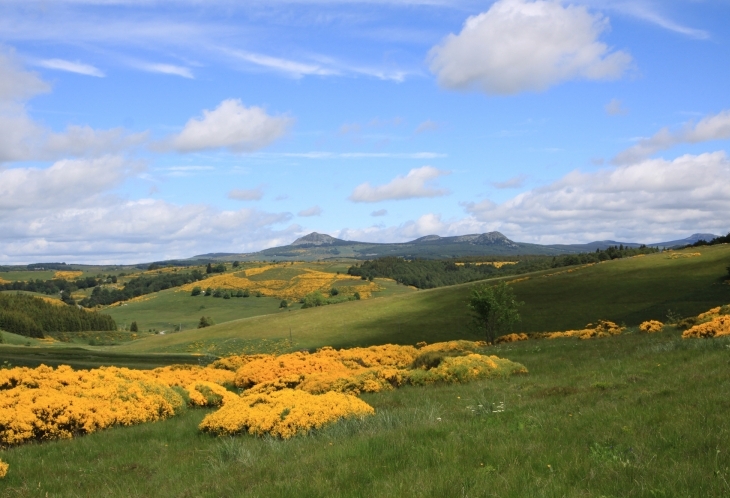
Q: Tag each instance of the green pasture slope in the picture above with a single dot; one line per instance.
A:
(635, 415)
(626, 291)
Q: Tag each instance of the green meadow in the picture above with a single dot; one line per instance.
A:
(635, 415)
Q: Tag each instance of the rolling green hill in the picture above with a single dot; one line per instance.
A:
(625, 291)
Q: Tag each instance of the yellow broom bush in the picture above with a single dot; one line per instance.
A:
(283, 413)
(717, 327)
(43, 403)
(512, 338)
(651, 326)
(3, 469)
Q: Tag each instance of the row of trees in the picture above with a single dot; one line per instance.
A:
(139, 286)
(32, 317)
(427, 274)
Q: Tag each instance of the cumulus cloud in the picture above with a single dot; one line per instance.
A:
(254, 194)
(633, 202)
(514, 182)
(71, 67)
(65, 183)
(714, 127)
(520, 45)
(615, 108)
(411, 186)
(312, 211)
(17, 83)
(231, 125)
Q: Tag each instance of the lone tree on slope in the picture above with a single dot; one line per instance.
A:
(495, 309)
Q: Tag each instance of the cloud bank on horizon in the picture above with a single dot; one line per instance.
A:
(246, 126)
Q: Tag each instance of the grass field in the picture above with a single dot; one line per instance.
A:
(629, 416)
(625, 291)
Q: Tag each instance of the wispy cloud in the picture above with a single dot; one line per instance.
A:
(254, 194)
(170, 69)
(615, 108)
(71, 67)
(713, 127)
(353, 155)
(312, 211)
(514, 182)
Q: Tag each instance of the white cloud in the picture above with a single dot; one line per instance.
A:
(71, 67)
(354, 155)
(230, 125)
(616, 108)
(23, 139)
(165, 69)
(379, 212)
(514, 182)
(65, 183)
(254, 194)
(520, 45)
(714, 127)
(411, 186)
(16, 83)
(312, 211)
(427, 125)
(637, 202)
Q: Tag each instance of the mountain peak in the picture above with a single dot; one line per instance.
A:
(317, 239)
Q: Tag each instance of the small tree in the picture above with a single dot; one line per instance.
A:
(334, 291)
(236, 264)
(205, 321)
(209, 291)
(495, 309)
(356, 296)
(134, 327)
(283, 304)
(209, 268)
(196, 291)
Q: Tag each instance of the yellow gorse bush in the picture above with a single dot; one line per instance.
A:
(603, 328)
(717, 327)
(512, 338)
(651, 326)
(285, 394)
(43, 403)
(283, 413)
(3, 469)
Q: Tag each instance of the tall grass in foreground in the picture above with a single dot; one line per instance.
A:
(632, 415)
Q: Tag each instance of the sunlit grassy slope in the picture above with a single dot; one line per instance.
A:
(625, 291)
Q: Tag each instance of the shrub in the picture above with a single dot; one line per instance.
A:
(334, 291)
(209, 291)
(226, 295)
(651, 326)
(205, 321)
(134, 327)
(196, 291)
(239, 293)
(283, 304)
(3, 469)
(284, 413)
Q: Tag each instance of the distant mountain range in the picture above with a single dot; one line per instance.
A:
(317, 246)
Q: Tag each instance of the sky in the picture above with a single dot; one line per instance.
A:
(143, 130)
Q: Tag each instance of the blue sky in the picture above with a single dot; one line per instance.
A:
(136, 130)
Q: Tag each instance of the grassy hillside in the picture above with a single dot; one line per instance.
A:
(612, 417)
(625, 291)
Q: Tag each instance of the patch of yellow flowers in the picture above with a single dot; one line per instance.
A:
(651, 326)
(294, 289)
(281, 395)
(68, 275)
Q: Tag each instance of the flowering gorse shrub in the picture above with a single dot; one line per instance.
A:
(512, 338)
(4, 466)
(603, 328)
(283, 413)
(651, 326)
(284, 394)
(717, 327)
(43, 403)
